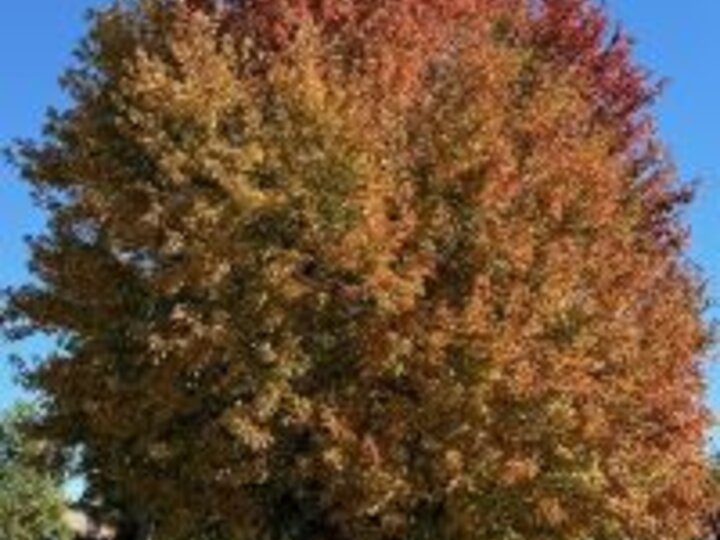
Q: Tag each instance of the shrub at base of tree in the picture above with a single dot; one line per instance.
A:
(31, 502)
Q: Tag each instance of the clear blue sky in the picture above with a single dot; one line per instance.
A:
(679, 40)
(36, 41)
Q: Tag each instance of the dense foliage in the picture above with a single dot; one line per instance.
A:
(340, 270)
(31, 502)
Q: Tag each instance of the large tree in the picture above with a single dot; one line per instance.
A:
(361, 269)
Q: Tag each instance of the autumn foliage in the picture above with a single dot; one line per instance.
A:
(369, 269)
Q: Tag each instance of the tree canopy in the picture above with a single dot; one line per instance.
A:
(354, 269)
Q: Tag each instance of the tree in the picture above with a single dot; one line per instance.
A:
(31, 502)
(368, 269)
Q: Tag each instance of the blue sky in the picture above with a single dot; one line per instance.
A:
(678, 40)
(36, 41)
